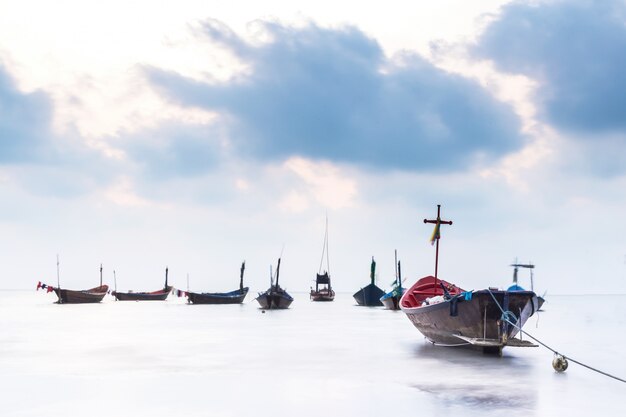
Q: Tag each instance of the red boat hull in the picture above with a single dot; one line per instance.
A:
(93, 295)
(467, 317)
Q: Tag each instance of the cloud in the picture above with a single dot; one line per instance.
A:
(331, 94)
(575, 50)
(24, 123)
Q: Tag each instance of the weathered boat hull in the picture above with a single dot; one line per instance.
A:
(369, 296)
(232, 297)
(478, 320)
(159, 295)
(93, 295)
(272, 299)
(322, 295)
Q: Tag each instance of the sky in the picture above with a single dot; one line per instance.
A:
(197, 135)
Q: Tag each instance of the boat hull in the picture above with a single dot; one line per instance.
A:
(93, 295)
(468, 321)
(369, 296)
(391, 300)
(233, 297)
(322, 295)
(274, 299)
(159, 295)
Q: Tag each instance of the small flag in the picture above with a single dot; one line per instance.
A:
(38, 285)
(436, 235)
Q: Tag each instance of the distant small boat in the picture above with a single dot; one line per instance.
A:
(323, 290)
(65, 296)
(275, 297)
(370, 295)
(516, 287)
(391, 300)
(232, 297)
(158, 295)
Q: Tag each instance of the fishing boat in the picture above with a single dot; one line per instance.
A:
(275, 297)
(516, 287)
(233, 297)
(158, 295)
(391, 300)
(448, 315)
(370, 295)
(65, 296)
(323, 290)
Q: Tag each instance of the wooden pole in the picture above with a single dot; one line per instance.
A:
(438, 222)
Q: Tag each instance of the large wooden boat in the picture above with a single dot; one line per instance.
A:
(447, 315)
(323, 290)
(233, 297)
(369, 295)
(275, 297)
(391, 300)
(517, 287)
(158, 295)
(65, 296)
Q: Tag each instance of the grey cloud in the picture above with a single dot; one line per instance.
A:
(24, 123)
(332, 94)
(576, 50)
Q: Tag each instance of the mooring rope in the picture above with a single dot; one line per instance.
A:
(504, 316)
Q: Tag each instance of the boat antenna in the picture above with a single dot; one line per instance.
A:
(101, 275)
(58, 278)
(399, 276)
(243, 268)
(115, 282)
(166, 272)
(436, 235)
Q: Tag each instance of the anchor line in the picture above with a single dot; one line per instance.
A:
(505, 317)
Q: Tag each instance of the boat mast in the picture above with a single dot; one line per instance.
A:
(115, 283)
(395, 253)
(166, 272)
(373, 271)
(243, 267)
(101, 275)
(277, 271)
(58, 278)
(436, 235)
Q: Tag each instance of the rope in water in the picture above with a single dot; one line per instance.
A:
(505, 317)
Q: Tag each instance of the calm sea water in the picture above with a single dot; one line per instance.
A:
(170, 358)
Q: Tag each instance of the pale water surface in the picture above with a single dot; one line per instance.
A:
(336, 359)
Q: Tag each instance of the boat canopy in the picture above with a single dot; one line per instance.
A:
(323, 278)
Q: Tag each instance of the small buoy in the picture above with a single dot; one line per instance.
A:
(263, 311)
(559, 363)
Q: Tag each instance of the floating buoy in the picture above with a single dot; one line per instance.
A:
(559, 363)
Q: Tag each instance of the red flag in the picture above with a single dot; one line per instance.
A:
(50, 289)
(38, 285)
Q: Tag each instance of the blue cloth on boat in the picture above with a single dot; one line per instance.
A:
(467, 295)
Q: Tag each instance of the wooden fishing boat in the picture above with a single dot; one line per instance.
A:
(233, 297)
(323, 290)
(275, 297)
(391, 300)
(369, 295)
(158, 295)
(65, 296)
(516, 287)
(448, 315)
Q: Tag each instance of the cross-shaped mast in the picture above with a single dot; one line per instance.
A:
(436, 234)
